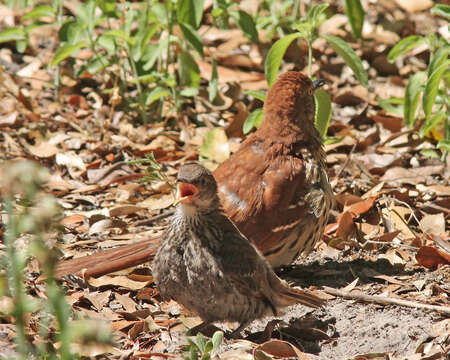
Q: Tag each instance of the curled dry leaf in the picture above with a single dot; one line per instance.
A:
(431, 257)
(278, 349)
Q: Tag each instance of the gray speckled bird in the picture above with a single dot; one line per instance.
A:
(208, 266)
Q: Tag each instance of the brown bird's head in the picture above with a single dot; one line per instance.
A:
(289, 108)
(196, 189)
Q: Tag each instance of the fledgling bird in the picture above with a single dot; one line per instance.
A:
(275, 187)
(208, 266)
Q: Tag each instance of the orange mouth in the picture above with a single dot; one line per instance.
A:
(185, 192)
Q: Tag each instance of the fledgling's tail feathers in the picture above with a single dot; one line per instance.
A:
(285, 295)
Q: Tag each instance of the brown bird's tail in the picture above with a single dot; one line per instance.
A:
(285, 295)
(108, 261)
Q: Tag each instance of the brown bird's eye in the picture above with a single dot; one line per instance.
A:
(310, 91)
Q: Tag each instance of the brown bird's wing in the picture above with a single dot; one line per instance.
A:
(241, 262)
(259, 187)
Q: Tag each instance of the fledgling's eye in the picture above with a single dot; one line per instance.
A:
(310, 91)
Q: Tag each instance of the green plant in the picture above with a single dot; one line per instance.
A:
(153, 45)
(31, 215)
(308, 29)
(154, 170)
(432, 85)
(202, 348)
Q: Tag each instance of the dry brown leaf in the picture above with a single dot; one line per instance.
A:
(399, 215)
(431, 257)
(361, 207)
(345, 225)
(122, 281)
(128, 304)
(74, 219)
(414, 5)
(278, 349)
(399, 175)
(124, 210)
(157, 202)
(98, 298)
(433, 224)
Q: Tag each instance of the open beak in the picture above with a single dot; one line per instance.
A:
(318, 83)
(185, 192)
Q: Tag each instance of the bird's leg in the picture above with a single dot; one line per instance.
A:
(196, 329)
(237, 332)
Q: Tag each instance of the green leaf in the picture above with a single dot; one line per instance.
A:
(389, 105)
(120, 34)
(441, 10)
(150, 55)
(217, 339)
(275, 55)
(314, 15)
(246, 23)
(444, 145)
(253, 120)
(108, 43)
(351, 59)
(38, 12)
(438, 58)
(108, 7)
(188, 70)
(332, 140)
(143, 37)
(431, 88)
(215, 147)
(355, 14)
(190, 12)
(405, 45)
(323, 111)
(257, 94)
(430, 153)
(432, 122)
(412, 96)
(21, 45)
(65, 51)
(213, 86)
(192, 36)
(12, 34)
(156, 94)
(189, 92)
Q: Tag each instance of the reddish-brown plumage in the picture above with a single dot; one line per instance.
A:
(275, 186)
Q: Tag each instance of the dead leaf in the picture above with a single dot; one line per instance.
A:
(431, 257)
(121, 281)
(345, 225)
(157, 202)
(125, 210)
(361, 207)
(433, 224)
(278, 348)
(415, 5)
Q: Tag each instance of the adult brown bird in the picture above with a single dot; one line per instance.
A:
(274, 188)
(206, 264)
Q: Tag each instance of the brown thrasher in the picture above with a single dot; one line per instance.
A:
(274, 188)
(207, 265)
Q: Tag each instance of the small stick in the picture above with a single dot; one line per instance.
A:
(386, 300)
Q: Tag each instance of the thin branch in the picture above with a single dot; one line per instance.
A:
(384, 300)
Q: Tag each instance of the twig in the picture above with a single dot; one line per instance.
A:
(386, 300)
(347, 161)
(154, 218)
